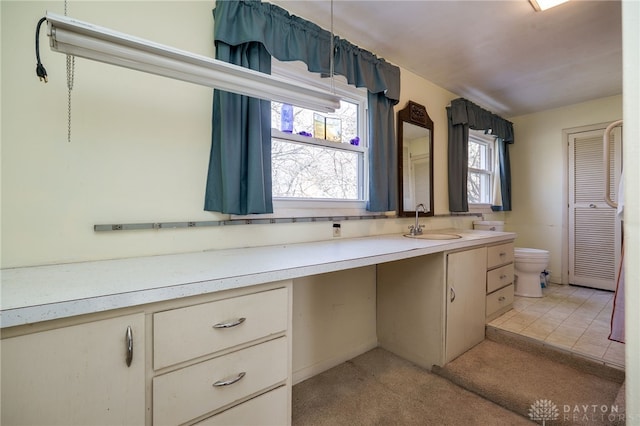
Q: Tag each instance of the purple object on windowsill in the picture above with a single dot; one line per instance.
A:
(304, 134)
(355, 141)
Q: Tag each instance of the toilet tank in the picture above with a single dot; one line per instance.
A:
(489, 225)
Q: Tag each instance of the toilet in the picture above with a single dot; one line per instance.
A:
(529, 264)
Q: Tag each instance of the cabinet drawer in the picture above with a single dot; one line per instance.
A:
(499, 255)
(186, 333)
(185, 394)
(499, 299)
(268, 409)
(500, 277)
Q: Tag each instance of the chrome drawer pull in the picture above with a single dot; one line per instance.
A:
(129, 339)
(453, 295)
(501, 299)
(502, 254)
(228, 382)
(503, 276)
(229, 324)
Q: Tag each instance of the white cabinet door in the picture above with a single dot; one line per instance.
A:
(466, 298)
(76, 375)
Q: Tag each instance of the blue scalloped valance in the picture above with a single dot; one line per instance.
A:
(463, 115)
(466, 112)
(290, 38)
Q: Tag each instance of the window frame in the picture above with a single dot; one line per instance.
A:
(488, 140)
(314, 207)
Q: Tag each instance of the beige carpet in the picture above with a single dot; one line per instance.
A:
(379, 388)
(582, 392)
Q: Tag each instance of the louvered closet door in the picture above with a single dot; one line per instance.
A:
(594, 231)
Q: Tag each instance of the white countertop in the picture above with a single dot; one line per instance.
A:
(42, 293)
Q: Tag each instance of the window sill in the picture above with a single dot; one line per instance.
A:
(287, 208)
(480, 208)
(292, 137)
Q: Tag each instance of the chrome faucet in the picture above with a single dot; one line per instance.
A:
(417, 228)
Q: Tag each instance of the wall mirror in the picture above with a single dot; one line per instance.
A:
(415, 160)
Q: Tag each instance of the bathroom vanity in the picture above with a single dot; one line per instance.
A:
(433, 308)
(206, 337)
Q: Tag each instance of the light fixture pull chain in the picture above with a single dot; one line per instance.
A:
(70, 75)
(71, 69)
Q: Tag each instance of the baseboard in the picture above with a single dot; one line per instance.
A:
(315, 369)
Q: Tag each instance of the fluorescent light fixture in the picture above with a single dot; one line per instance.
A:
(540, 5)
(85, 40)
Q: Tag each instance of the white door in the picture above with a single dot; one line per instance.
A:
(594, 229)
(420, 180)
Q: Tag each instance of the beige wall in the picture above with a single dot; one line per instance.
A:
(539, 174)
(139, 153)
(334, 319)
(140, 145)
(435, 99)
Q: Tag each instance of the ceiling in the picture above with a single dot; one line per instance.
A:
(502, 55)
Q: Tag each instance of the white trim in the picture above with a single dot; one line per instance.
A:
(297, 71)
(480, 138)
(290, 137)
(298, 207)
(482, 208)
(291, 208)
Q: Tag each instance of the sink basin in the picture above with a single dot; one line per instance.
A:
(435, 236)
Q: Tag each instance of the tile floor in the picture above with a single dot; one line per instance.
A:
(575, 319)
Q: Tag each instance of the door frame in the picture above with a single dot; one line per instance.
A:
(565, 191)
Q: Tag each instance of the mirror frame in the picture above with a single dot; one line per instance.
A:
(416, 114)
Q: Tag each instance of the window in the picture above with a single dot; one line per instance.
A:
(319, 157)
(481, 168)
